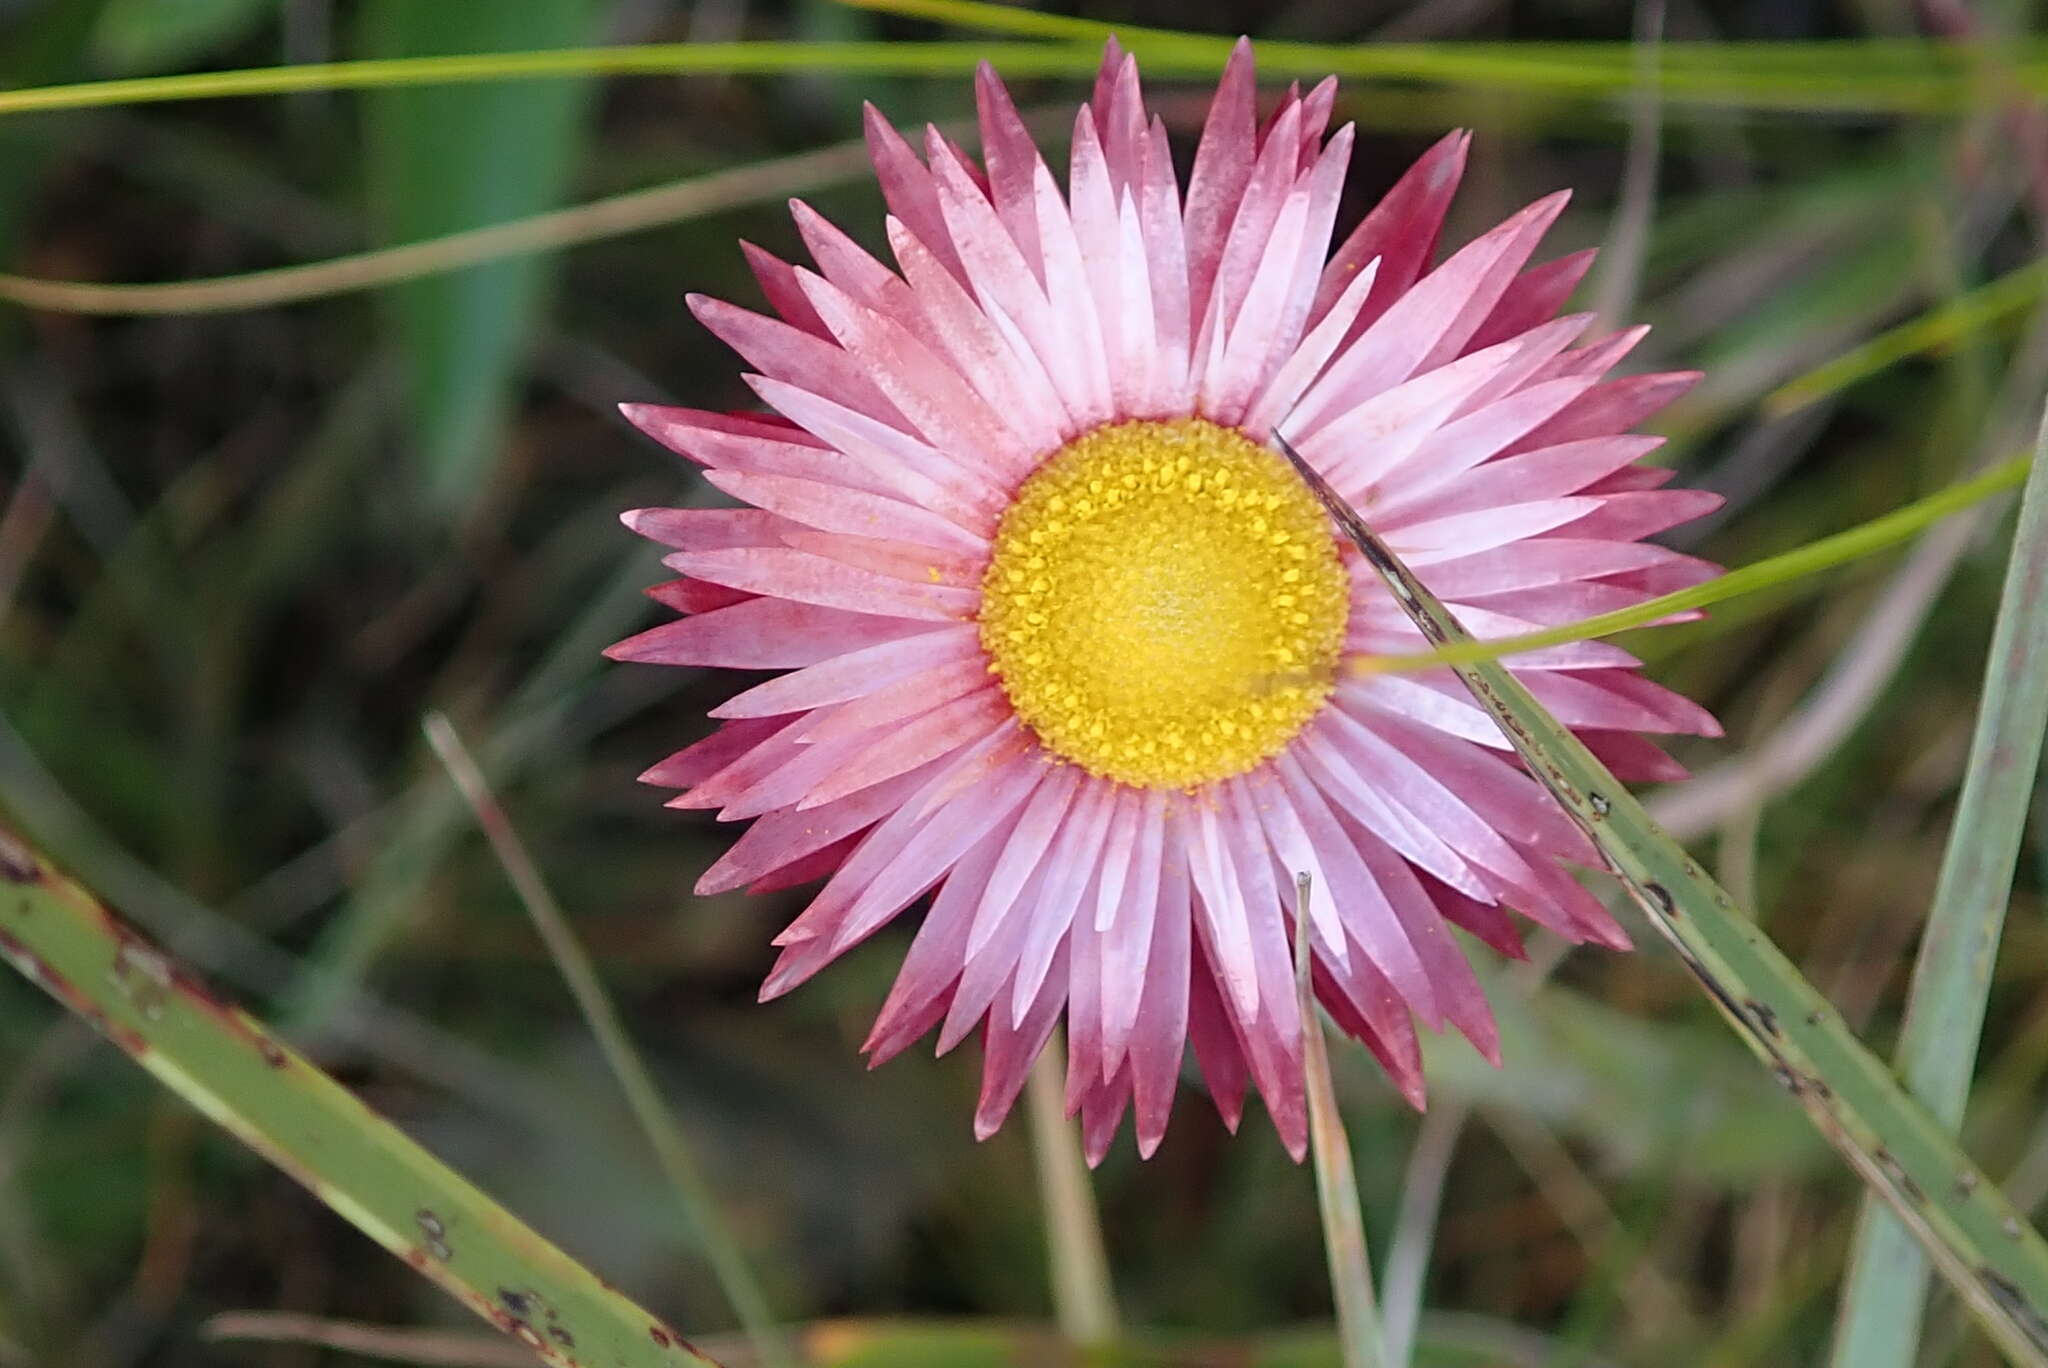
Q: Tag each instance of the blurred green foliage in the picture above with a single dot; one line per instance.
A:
(241, 555)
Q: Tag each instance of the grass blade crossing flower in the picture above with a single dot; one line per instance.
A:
(1992, 1258)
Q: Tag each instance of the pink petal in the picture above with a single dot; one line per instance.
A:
(1012, 160)
(1380, 936)
(924, 387)
(1258, 210)
(1024, 853)
(762, 634)
(1607, 409)
(779, 838)
(1548, 473)
(924, 475)
(1166, 254)
(908, 191)
(1400, 232)
(1436, 316)
(903, 698)
(1628, 517)
(695, 596)
(805, 578)
(1461, 534)
(1157, 869)
(777, 279)
(707, 439)
(1538, 293)
(1217, 1051)
(1463, 1001)
(705, 529)
(835, 508)
(851, 270)
(1013, 382)
(783, 352)
(853, 675)
(885, 848)
(1223, 166)
(923, 987)
(1070, 870)
(695, 763)
(1156, 1036)
(944, 729)
(1010, 1049)
(1220, 908)
(1076, 323)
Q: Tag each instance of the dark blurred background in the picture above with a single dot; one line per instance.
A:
(242, 553)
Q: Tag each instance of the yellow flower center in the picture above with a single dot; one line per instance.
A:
(1165, 604)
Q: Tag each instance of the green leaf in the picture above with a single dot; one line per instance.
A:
(1993, 1259)
(1886, 1288)
(443, 160)
(136, 36)
(244, 1079)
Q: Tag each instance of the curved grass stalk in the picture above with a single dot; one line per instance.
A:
(1865, 539)
(1968, 313)
(244, 1079)
(1995, 1261)
(1895, 78)
(613, 216)
(1886, 1288)
(643, 1095)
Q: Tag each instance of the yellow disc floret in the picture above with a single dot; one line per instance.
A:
(1165, 604)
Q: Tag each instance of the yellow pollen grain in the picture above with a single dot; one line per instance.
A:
(1165, 604)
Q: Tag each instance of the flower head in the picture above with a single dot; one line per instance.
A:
(1065, 636)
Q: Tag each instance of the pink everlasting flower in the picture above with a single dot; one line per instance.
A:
(1065, 637)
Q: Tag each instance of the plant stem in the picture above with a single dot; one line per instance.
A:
(1083, 1300)
(1358, 1320)
(643, 1095)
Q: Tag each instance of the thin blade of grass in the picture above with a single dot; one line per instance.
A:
(643, 1095)
(1083, 1298)
(1993, 1259)
(1865, 539)
(1844, 76)
(243, 1078)
(1968, 313)
(613, 216)
(1886, 1290)
(1358, 1318)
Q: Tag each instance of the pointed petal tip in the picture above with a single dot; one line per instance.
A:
(708, 885)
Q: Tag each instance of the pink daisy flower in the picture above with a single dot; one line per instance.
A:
(1065, 637)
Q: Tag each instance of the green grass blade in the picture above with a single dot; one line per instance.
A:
(455, 158)
(1846, 76)
(1993, 1259)
(1886, 1288)
(1938, 328)
(643, 1095)
(1865, 539)
(247, 1081)
(597, 220)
